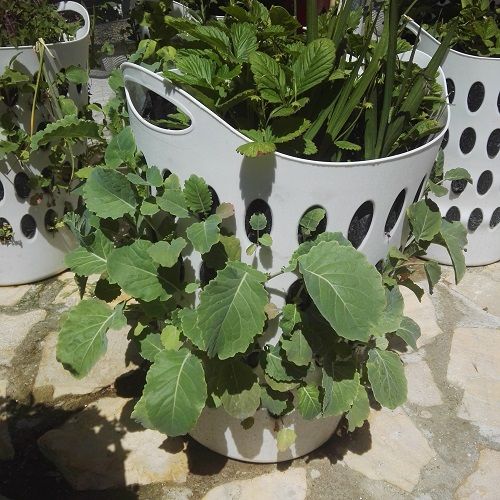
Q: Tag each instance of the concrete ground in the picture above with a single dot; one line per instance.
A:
(67, 438)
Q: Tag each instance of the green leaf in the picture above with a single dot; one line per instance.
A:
(108, 194)
(175, 392)
(149, 208)
(340, 390)
(91, 260)
(76, 75)
(265, 240)
(70, 127)
(437, 189)
(393, 312)
(458, 174)
(203, 235)
(154, 177)
(310, 220)
(360, 410)
(237, 387)
(345, 288)
(190, 328)
(244, 40)
(172, 200)
(121, 149)
(348, 146)
(232, 247)
(82, 339)
(251, 249)
(387, 378)
(425, 219)
(136, 272)
(258, 222)
(269, 76)
(167, 254)
(409, 331)
(140, 414)
(297, 349)
(454, 236)
(225, 210)
(308, 403)
(276, 403)
(170, 338)
(314, 64)
(433, 273)
(231, 310)
(290, 317)
(278, 367)
(285, 438)
(254, 149)
(150, 346)
(197, 194)
(68, 106)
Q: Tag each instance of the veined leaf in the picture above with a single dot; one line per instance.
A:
(170, 338)
(278, 368)
(154, 177)
(173, 200)
(190, 328)
(244, 40)
(393, 313)
(276, 403)
(433, 273)
(121, 149)
(203, 235)
(340, 390)
(387, 378)
(458, 174)
(297, 349)
(345, 288)
(313, 65)
(360, 410)
(76, 75)
(136, 272)
(231, 311)
(258, 222)
(308, 403)
(175, 392)
(109, 194)
(285, 438)
(311, 219)
(454, 236)
(82, 339)
(92, 260)
(409, 331)
(425, 220)
(197, 194)
(150, 346)
(167, 254)
(269, 76)
(290, 318)
(254, 149)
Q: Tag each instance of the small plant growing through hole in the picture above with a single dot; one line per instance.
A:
(6, 232)
(258, 223)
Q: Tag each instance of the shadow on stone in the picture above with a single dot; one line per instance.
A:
(202, 461)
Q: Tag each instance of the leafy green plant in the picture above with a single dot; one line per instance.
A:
(339, 95)
(25, 21)
(6, 232)
(476, 24)
(202, 342)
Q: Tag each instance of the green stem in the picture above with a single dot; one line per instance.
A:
(37, 87)
(312, 20)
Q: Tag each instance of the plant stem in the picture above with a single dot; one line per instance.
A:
(41, 47)
(312, 20)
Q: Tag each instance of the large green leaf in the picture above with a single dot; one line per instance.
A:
(393, 313)
(290, 317)
(269, 77)
(345, 288)
(313, 65)
(92, 260)
(340, 390)
(308, 402)
(70, 127)
(231, 311)
(136, 272)
(82, 339)
(425, 219)
(297, 349)
(360, 409)
(244, 39)
(197, 194)
(172, 200)
(276, 403)
(175, 392)
(121, 149)
(190, 328)
(150, 346)
(203, 235)
(387, 378)
(237, 386)
(409, 331)
(109, 194)
(454, 236)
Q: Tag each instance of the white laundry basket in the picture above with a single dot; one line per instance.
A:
(35, 252)
(473, 143)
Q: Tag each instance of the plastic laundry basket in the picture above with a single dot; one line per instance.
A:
(36, 252)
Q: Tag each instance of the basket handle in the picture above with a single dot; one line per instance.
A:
(68, 6)
(427, 41)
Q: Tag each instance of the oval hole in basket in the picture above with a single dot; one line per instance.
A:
(215, 200)
(10, 96)
(22, 185)
(498, 102)
(380, 265)
(475, 219)
(166, 174)
(156, 110)
(304, 235)
(495, 218)
(28, 226)
(47, 174)
(360, 224)
(475, 96)
(2, 191)
(451, 89)
(298, 295)
(485, 182)
(453, 214)
(4, 222)
(493, 146)
(467, 140)
(207, 274)
(445, 140)
(419, 191)
(395, 212)
(256, 207)
(68, 207)
(50, 220)
(458, 186)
